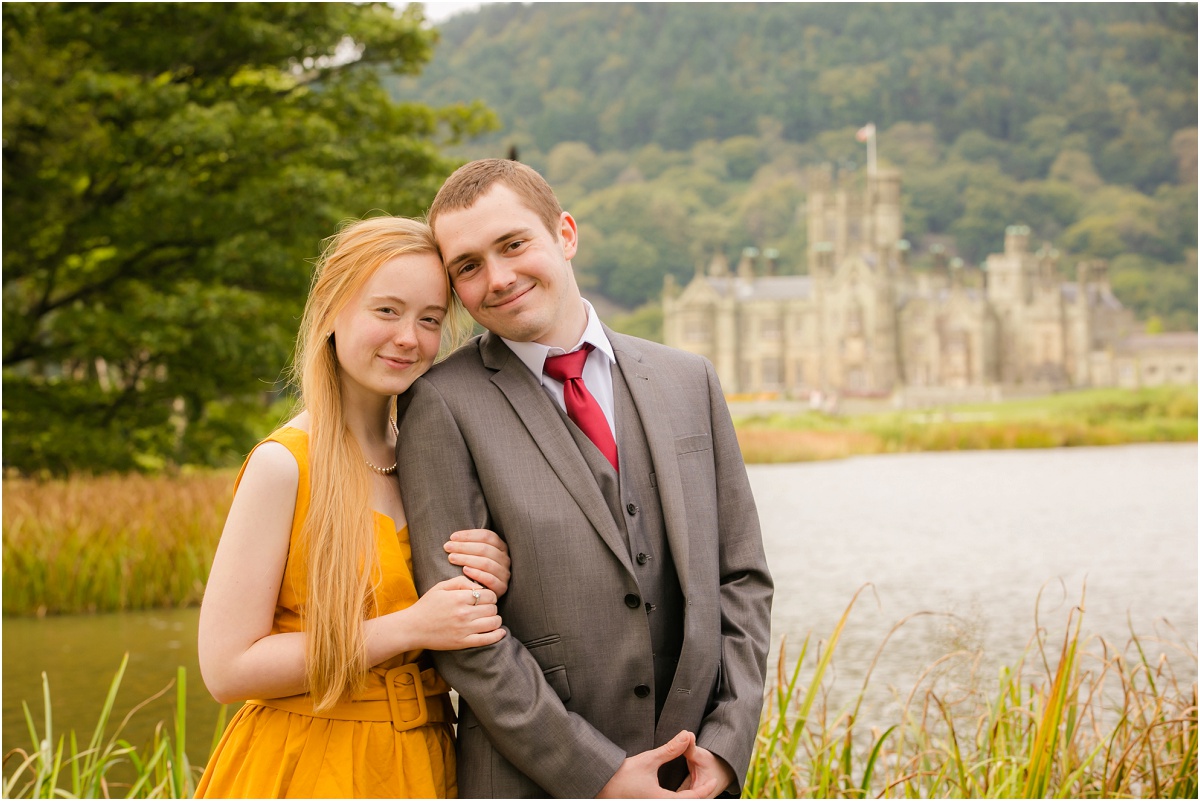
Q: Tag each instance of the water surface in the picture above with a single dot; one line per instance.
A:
(971, 536)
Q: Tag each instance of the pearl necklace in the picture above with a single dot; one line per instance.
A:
(385, 471)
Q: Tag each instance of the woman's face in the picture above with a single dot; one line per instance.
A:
(388, 335)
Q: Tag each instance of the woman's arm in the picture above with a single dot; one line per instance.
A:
(241, 659)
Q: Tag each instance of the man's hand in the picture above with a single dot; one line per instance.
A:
(483, 557)
(638, 775)
(706, 768)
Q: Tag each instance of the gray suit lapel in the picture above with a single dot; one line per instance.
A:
(541, 419)
(648, 396)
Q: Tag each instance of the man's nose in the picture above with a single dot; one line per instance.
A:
(499, 275)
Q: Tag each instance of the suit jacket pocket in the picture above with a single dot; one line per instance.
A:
(548, 651)
(692, 444)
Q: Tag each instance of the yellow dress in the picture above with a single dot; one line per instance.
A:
(392, 741)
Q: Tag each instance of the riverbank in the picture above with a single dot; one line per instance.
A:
(1085, 418)
(119, 543)
(1078, 717)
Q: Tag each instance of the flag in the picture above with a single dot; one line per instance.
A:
(865, 132)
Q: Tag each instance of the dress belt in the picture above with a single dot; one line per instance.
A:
(415, 698)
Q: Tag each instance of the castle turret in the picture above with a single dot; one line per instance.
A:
(719, 266)
(771, 261)
(1011, 273)
(1016, 240)
(745, 269)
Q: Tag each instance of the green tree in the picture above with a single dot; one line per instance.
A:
(169, 172)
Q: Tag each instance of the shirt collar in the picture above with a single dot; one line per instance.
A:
(533, 354)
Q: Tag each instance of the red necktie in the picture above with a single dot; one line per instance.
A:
(583, 409)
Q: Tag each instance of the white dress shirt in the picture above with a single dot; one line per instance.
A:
(597, 370)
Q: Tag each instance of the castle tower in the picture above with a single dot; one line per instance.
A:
(888, 224)
(1011, 273)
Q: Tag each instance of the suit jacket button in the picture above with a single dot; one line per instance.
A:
(641, 691)
(642, 558)
(632, 601)
(631, 508)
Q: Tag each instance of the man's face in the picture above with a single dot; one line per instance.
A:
(512, 275)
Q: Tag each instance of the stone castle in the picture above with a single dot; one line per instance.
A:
(863, 323)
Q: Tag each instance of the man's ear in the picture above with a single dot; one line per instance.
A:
(568, 232)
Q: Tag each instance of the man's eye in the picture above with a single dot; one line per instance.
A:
(515, 245)
(465, 269)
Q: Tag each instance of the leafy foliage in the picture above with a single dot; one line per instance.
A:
(169, 170)
(1078, 120)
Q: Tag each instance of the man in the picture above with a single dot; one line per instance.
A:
(639, 606)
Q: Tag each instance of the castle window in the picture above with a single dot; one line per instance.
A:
(772, 374)
(745, 377)
(696, 329)
(769, 328)
(854, 320)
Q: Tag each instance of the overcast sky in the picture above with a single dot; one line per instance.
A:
(436, 12)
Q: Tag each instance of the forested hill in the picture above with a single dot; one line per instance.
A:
(673, 129)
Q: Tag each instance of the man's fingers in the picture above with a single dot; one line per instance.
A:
(479, 563)
(486, 579)
(671, 749)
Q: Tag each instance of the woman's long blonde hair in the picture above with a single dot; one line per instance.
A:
(338, 539)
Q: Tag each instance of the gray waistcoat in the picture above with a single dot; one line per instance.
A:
(633, 500)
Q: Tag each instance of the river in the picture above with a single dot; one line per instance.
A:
(973, 537)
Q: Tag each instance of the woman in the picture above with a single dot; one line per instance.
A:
(310, 614)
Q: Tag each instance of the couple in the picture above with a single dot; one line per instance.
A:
(636, 623)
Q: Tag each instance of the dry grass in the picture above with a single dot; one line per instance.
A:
(111, 543)
(1075, 419)
(766, 446)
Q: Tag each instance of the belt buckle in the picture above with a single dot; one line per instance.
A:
(412, 673)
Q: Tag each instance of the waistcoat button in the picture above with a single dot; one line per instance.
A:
(632, 601)
(641, 691)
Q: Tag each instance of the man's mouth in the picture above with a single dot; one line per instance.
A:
(502, 302)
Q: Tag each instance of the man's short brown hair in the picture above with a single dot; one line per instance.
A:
(475, 179)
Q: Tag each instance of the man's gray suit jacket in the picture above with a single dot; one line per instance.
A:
(552, 708)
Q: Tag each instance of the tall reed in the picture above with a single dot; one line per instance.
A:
(111, 543)
(1085, 720)
(108, 766)
(1079, 720)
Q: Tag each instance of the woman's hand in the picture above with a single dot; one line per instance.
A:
(455, 613)
(483, 557)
